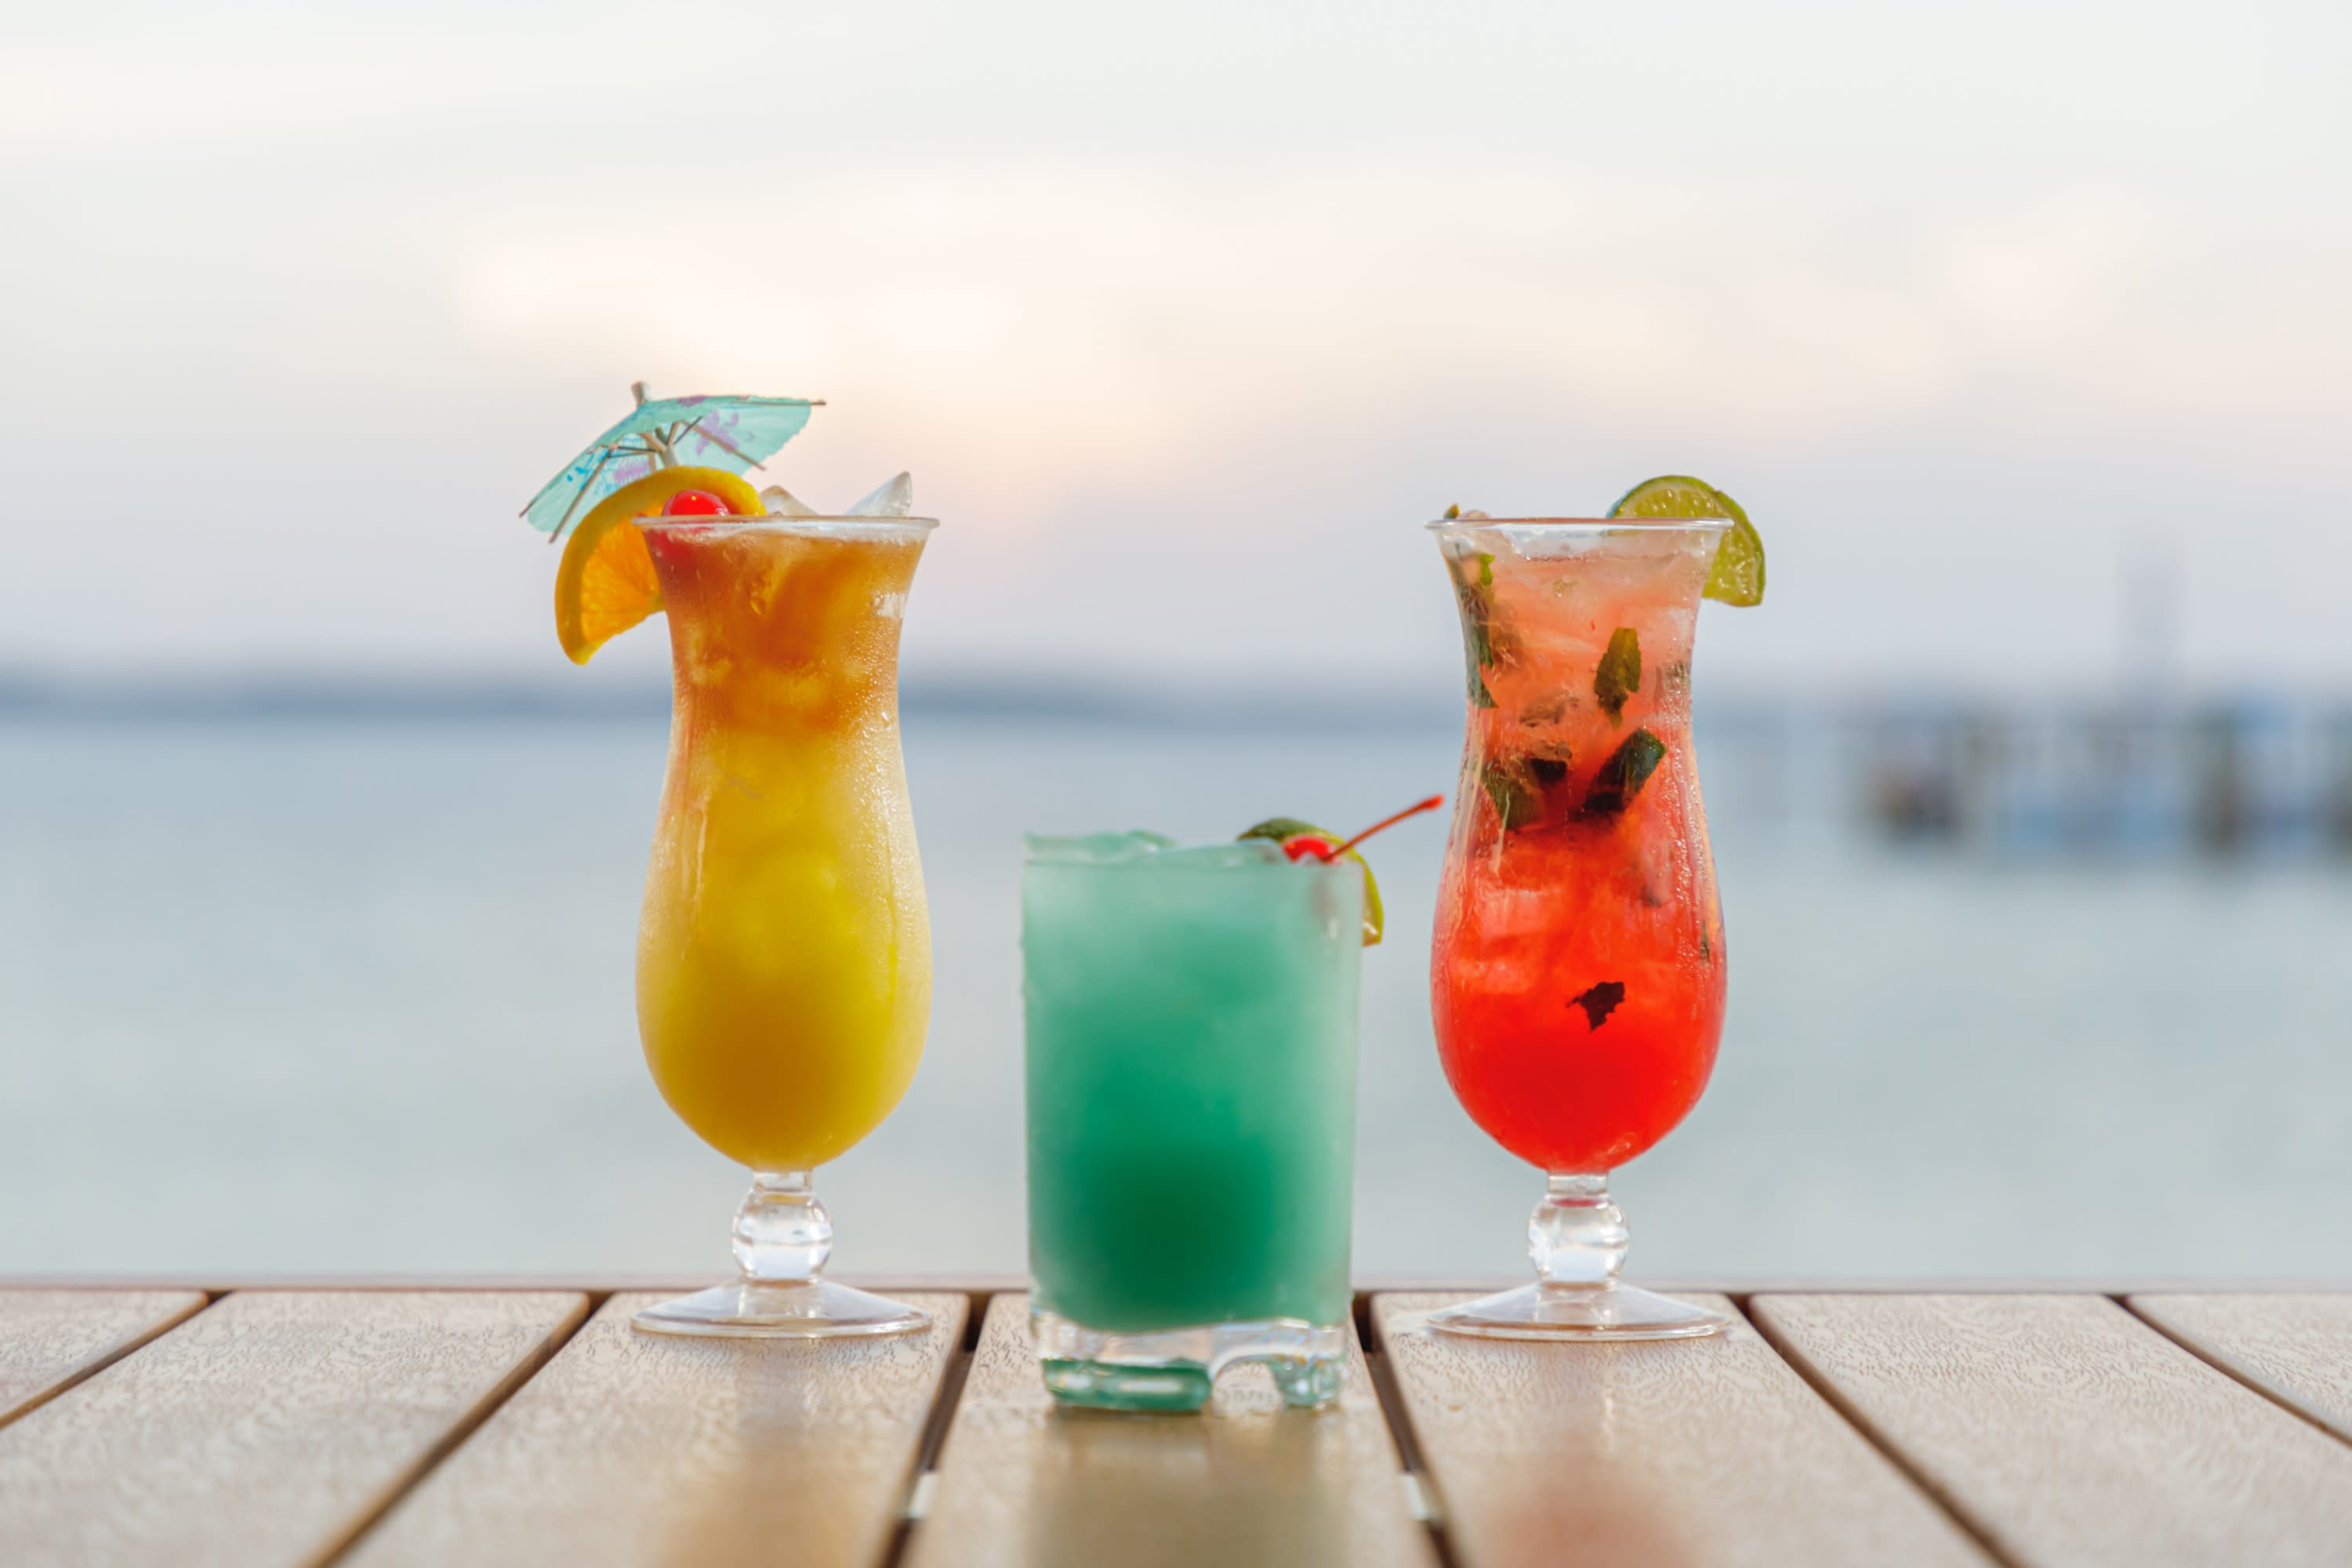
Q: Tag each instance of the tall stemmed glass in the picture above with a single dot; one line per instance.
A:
(1578, 968)
(783, 954)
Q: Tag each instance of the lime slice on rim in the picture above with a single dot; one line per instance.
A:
(1283, 829)
(1738, 576)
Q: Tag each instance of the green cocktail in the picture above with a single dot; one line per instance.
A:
(1191, 1020)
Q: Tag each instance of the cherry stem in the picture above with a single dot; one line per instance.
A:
(1431, 804)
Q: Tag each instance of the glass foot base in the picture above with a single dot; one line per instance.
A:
(1579, 1312)
(1175, 1369)
(812, 1311)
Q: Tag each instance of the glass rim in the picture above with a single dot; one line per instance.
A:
(772, 522)
(1153, 862)
(1583, 525)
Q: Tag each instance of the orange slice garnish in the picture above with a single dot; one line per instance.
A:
(606, 584)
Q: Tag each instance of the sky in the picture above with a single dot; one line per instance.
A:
(1999, 319)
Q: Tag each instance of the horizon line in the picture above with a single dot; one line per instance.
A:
(1198, 704)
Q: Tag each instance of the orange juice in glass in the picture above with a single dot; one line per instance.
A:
(784, 951)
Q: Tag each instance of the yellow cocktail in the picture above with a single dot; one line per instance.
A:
(785, 958)
(783, 954)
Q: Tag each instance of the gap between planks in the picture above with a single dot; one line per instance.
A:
(1464, 1523)
(2069, 1430)
(925, 1465)
(1412, 1473)
(937, 1422)
(920, 1481)
(1420, 1494)
(1423, 1496)
(2120, 1296)
(136, 1342)
(1005, 1432)
(1836, 1400)
(1412, 1477)
(140, 1340)
(471, 1423)
(2213, 1357)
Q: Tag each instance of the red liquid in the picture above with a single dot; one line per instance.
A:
(1577, 971)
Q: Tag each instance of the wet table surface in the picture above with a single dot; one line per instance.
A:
(199, 1422)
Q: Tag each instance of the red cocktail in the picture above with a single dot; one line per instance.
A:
(1578, 969)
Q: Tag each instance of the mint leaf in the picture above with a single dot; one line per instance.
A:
(1621, 778)
(1548, 771)
(1479, 653)
(1620, 673)
(1600, 1002)
(1517, 803)
(1477, 601)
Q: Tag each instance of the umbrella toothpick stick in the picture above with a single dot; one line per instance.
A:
(658, 444)
(565, 521)
(724, 445)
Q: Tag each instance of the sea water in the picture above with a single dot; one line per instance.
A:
(355, 995)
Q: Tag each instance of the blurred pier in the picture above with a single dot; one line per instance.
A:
(2264, 775)
(2268, 777)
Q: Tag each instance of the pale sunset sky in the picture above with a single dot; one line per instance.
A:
(1186, 318)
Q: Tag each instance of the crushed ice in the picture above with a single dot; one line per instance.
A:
(895, 499)
(1123, 848)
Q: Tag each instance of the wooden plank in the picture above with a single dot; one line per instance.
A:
(50, 1339)
(1245, 1482)
(265, 1429)
(633, 1447)
(1693, 1452)
(2296, 1349)
(2064, 1431)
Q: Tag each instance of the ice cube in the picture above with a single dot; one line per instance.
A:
(781, 503)
(896, 498)
(1095, 848)
(1231, 856)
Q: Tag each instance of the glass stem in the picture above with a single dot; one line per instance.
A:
(782, 1235)
(1577, 1235)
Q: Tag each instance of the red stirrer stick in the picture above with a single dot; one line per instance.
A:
(1431, 804)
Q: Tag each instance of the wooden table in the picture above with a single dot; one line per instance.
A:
(416, 1425)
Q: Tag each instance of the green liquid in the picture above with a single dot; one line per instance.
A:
(1191, 1076)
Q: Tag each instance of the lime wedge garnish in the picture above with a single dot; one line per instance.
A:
(1283, 829)
(1738, 576)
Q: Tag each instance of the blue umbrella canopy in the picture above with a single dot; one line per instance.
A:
(730, 433)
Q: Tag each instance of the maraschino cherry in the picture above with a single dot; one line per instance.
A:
(1300, 846)
(1304, 840)
(697, 503)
